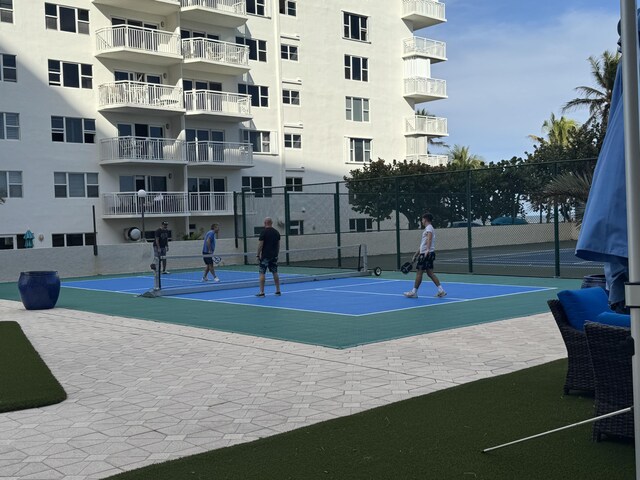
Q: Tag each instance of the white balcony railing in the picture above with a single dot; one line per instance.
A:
(209, 50)
(424, 86)
(137, 38)
(230, 6)
(128, 204)
(141, 148)
(432, 160)
(423, 125)
(429, 9)
(423, 46)
(209, 101)
(211, 202)
(219, 153)
(140, 94)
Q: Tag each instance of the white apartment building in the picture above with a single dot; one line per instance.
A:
(192, 100)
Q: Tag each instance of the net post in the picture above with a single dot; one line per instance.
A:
(398, 247)
(469, 220)
(157, 282)
(336, 219)
(363, 256)
(287, 221)
(556, 227)
(244, 223)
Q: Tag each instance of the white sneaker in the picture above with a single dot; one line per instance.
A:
(216, 279)
(441, 294)
(411, 294)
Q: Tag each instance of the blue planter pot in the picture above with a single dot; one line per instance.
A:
(598, 280)
(39, 290)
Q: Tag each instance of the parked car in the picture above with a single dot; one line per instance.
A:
(509, 221)
(464, 224)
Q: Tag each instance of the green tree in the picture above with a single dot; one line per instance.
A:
(461, 159)
(557, 130)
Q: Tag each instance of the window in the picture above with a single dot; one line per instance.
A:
(75, 75)
(294, 184)
(292, 141)
(359, 150)
(296, 227)
(357, 109)
(8, 70)
(356, 68)
(289, 52)
(257, 48)
(288, 7)
(9, 126)
(291, 97)
(355, 27)
(259, 94)
(10, 184)
(256, 7)
(360, 224)
(261, 141)
(72, 239)
(73, 130)
(66, 19)
(6, 11)
(261, 186)
(6, 243)
(75, 185)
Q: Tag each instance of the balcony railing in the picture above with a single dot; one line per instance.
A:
(142, 39)
(219, 153)
(432, 160)
(208, 50)
(423, 13)
(144, 149)
(229, 6)
(126, 93)
(424, 87)
(433, 49)
(423, 125)
(211, 102)
(128, 204)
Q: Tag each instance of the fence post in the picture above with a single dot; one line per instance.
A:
(235, 217)
(469, 219)
(336, 219)
(244, 225)
(556, 227)
(398, 250)
(287, 219)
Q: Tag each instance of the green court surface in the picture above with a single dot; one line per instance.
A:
(317, 328)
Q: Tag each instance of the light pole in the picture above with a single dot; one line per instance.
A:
(142, 195)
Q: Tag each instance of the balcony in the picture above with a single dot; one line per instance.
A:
(431, 160)
(223, 13)
(423, 47)
(230, 107)
(131, 97)
(219, 154)
(141, 150)
(423, 13)
(162, 204)
(158, 7)
(420, 125)
(424, 89)
(214, 56)
(140, 45)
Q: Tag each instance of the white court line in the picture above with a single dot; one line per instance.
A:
(127, 292)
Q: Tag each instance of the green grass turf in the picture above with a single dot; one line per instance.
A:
(25, 380)
(437, 436)
(333, 331)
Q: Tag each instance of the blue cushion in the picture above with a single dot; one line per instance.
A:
(616, 319)
(583, 304)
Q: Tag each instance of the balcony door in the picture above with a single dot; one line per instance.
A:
(202, 194)
(199, 148)
(142, 140)
(135, 37)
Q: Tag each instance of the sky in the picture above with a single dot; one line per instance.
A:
(511, 63)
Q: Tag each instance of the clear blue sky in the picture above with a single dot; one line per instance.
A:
(511, 63)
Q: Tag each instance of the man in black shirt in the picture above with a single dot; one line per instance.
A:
(268, 249)
(161, 244)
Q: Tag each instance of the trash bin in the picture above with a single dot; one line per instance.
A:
(39, 290)
(597, 280)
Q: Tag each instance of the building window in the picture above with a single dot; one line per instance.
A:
(75, 75)
(292, 141)
(9, 126)
(359, 150)
(288, 7)
(294, 184)
(66, 19)
(356, 68)
(8, 69)
(261, 141)
(360, 224)
(6, 11)
(256, 7)
(291, 97)
(257, 48)
(289, 52)
(10, 184)
(259, 94)
(355, 27)
(72, 239)
(73, 130)
(296, 227)
(260, 186)
(75, 185)
(357, 109)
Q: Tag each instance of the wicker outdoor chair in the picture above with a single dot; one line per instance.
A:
(611, 353)
(579, 369)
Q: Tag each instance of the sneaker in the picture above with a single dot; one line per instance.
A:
(411, 294)
(205, 279)
(216, 279)
(441, 294)
(260, 294)
(278, 294)
(165, 273)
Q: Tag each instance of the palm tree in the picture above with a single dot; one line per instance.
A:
(432, 141)
(558, 131)
(573, 187)
(462, 159)
(597, 99)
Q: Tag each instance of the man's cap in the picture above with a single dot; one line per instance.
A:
(165, 223)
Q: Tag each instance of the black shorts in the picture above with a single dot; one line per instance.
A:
(208, 260)
(425, 261)
(268, 263)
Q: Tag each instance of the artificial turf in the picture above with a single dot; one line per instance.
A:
(437, 436)
(25, 380)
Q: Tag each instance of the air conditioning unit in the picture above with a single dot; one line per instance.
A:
(132, 234)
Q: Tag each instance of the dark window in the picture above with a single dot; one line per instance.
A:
(256, 7)
(57, 239)
(294, 184)
(259, 185)
(71, 75)
(8, 70)
(259, 94)
(67, 19)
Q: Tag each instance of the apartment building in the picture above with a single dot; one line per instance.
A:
(167, 107)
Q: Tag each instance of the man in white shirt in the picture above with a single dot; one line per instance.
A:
(425, 257)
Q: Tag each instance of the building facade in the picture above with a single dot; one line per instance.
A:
(153, 110)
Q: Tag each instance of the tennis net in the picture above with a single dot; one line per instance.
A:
(240, 270)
